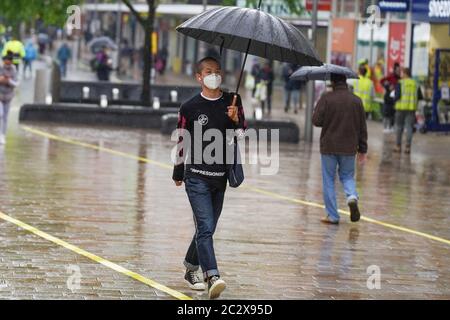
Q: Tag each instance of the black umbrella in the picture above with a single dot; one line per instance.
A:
(322, 73)
(251, 31)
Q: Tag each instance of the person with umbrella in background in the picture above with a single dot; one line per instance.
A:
(341, 116)
(211, 109)
(103, 64)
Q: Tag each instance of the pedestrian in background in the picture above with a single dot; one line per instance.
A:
(341, 116)
(407, 94)
(16, 49)
(389, 84)
(291, 88)
(363, 88)
(103, 64)
(30, 56)
(267, 75)
(8, 83)
(64, 55)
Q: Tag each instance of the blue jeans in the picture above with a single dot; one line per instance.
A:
(345, 165)
(63, 68)
(4, 111)
(206, 202)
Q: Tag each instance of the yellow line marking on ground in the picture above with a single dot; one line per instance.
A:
(93, 146)
(364, 218)
(95, 258)
(246, 186)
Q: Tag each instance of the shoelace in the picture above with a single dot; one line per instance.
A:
(194, 277)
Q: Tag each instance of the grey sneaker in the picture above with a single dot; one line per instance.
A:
(215, 287)
(194, 281)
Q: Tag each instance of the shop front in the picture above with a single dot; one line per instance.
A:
(431, 58)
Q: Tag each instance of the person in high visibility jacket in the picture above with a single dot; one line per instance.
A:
(17, 49)
(363, 88)
(365, 63)
(407, 93)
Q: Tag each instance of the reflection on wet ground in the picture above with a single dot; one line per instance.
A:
(129, 212)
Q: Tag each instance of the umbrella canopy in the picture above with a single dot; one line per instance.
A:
(252, 31)
(322, 73)
(97, 43)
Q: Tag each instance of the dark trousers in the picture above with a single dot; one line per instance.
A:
(206, 202)
(405, 120)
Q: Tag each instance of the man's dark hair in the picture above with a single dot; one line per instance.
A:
(338, 78)
(407, 71)
(9, 56)
(199, 65)
(362, 70)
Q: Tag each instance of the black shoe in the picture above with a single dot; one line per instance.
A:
(354, 210)
(215, 287)
(194, 281)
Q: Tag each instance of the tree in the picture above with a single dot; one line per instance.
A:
(147, 24)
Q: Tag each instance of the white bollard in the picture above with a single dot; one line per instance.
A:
(115, 92)
(103, 101)
(48, 99)
(86, 91)
(258, 113)
(156, 103)
(173, 96)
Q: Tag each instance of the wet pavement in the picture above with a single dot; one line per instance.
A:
(270, 243)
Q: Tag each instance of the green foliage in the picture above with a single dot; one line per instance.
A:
(52, 12)
(295, 6)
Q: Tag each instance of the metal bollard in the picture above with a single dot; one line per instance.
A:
(40, 85)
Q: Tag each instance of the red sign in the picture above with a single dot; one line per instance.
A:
(396, 44)
(323, 5)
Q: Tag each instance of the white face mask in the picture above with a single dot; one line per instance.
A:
(212, 81)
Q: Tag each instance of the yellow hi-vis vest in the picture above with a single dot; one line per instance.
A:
(408, 99)
(363, 89)
(17, 48)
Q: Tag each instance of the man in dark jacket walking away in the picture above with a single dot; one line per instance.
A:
(342, 118)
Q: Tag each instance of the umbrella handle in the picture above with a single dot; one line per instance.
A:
(233, 104)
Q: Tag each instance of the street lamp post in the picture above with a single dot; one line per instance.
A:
(310, 86)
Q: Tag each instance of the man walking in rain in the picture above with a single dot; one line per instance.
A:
(205, 181)
(341, 116)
